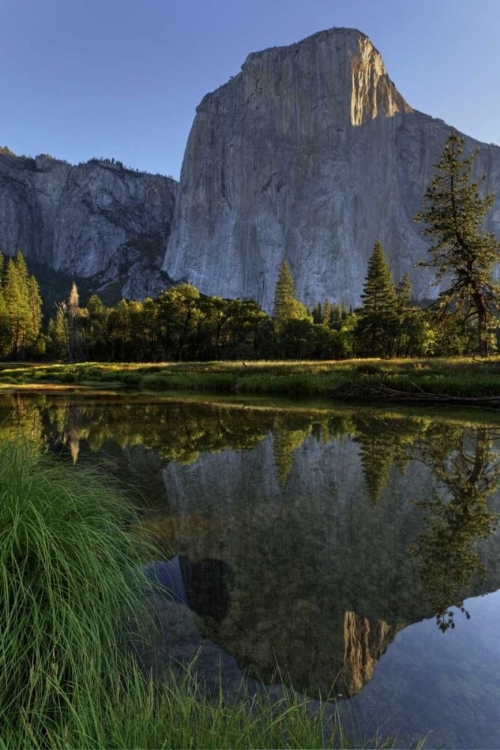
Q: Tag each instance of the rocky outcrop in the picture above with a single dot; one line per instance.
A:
(97, 218)
(309, 154)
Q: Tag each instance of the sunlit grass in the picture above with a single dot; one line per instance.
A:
(461, 377)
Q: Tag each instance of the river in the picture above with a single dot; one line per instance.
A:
(351, 554)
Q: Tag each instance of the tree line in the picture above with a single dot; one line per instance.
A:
(183, 324)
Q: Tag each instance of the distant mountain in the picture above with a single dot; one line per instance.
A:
(97, 220)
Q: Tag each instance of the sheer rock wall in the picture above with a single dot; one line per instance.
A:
(309, 154)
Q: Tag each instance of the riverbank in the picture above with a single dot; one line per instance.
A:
(427, 381)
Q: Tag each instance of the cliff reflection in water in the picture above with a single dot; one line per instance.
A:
(306, 541)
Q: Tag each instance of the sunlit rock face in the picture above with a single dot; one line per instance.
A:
(94, 218)
(310, 154)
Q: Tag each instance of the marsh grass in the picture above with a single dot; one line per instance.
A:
(177, 714)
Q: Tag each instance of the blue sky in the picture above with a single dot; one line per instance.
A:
(122, 78)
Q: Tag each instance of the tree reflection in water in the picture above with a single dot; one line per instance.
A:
(468, 470)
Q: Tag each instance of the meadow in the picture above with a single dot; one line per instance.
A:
(413, 380)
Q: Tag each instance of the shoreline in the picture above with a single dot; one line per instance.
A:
(429, 382)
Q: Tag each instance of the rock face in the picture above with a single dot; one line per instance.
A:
(309, 154)
(94, 218)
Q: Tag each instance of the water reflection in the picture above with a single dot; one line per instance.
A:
(467, 470)
(302, 542)
(203, 586)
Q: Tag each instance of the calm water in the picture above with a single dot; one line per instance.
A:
(346, 553)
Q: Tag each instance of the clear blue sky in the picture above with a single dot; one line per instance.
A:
(122, 78)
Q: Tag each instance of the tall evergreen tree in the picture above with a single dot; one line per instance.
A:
(16, 295)
(4, 326)
(286, 305)
(35, 317)
(453, 213)
(58, 332)
(379, 312)
(328, 315)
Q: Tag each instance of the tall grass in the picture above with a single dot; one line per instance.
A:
(69, 584)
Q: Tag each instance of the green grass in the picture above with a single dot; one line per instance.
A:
(177, 714)
(351, 379)
(71, 593)
(69, 581)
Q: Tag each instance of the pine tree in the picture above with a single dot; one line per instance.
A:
(34, 323)
(17, 300)
(317, 313)
(453, 214)
(379, 311)
(328, 312)
(58, 331)
(4, 326)
(286, 305)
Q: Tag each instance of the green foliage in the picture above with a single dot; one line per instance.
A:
(462, 253)
(468, 471)
(286, 305)
(378, 316)
(20, 309)
(69, 578)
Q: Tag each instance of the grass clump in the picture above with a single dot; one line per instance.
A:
(69, 584)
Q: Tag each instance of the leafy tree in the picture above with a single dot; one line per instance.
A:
(96, 328)
(462, 251)
(378, 315)
(249, 332)
(296, 338)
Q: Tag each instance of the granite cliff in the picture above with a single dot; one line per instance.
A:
(310, 154)
(96, 219)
